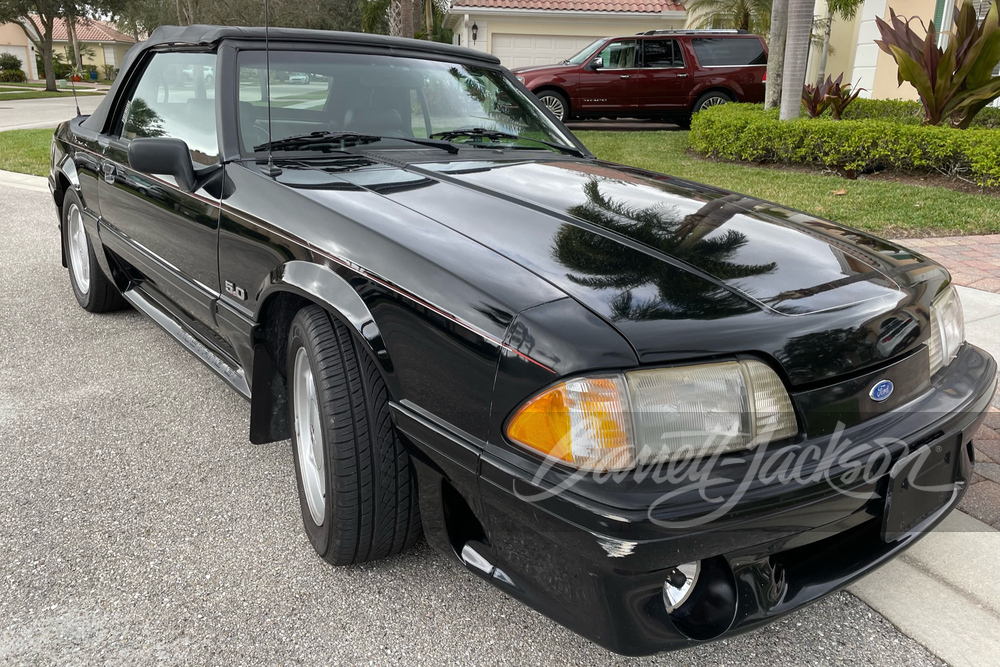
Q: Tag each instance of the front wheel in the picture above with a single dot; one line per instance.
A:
(357, 489)
(556, 103)
(711, 99)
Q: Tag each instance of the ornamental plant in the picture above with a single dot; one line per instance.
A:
(839, 96)
(814, 98)
(954, 82)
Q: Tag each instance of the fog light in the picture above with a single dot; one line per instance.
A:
(679, 584)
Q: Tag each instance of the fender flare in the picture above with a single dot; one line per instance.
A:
(330, 290)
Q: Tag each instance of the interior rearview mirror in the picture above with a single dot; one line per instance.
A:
(163, 156)
(596, 63)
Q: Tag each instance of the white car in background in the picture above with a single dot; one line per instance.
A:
(298, 78)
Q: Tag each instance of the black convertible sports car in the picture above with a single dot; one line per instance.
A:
(656, 411)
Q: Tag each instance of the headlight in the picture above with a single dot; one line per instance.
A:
(615, 422)
(521, 79)
(947, 329)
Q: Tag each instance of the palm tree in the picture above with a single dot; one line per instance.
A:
(750, 15)
(776, 54)
(647, 287)
(800, 19)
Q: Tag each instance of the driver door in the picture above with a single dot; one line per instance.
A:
(613, 86)
(166, 233)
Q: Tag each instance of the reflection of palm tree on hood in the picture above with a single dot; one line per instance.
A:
(605, 263)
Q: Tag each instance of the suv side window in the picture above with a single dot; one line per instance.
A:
(175, 97)
(729, 51)
(619, 55)
(661, 53)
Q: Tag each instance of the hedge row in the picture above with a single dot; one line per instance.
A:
(910, 112)
(748, 133)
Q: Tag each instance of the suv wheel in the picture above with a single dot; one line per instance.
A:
(357, 490)
(556, 103)
(710, 100)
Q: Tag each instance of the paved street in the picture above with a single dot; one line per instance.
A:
(137, 522)
(28, 114)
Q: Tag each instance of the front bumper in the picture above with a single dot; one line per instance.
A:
(594, 557)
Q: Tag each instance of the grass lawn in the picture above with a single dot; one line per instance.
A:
(6, 96)
(887, 209)
(25, 151)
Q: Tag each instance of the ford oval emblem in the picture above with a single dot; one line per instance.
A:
(881, 391)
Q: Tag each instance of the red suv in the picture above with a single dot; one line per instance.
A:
(667, 74)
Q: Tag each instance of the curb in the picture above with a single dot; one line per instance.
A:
(11, 179)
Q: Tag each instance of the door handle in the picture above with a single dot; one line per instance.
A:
(624, 76)
(109, 172)
(682, 76)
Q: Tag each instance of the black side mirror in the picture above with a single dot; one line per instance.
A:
(596, 64)
(163, 156)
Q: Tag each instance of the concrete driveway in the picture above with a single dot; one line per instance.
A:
(48, 112)
(137, 522)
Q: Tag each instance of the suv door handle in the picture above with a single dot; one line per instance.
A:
(624, 76)
(682, 76)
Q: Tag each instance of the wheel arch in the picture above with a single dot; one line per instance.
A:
(728, 92)
(290, 288)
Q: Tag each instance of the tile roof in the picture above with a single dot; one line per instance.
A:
(644, 6)
(89, 30)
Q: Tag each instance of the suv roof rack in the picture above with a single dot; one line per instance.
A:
(720, 31)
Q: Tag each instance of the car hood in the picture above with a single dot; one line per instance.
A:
(639, 248)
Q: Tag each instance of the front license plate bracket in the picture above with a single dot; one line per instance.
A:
(920, 484)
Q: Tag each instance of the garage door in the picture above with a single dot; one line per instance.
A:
(527, 50)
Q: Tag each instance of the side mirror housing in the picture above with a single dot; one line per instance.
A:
(596, 64)
(163, 156)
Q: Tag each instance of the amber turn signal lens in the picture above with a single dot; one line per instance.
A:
(583, 422)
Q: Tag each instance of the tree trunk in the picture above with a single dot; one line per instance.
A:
(821, 75)
(800, 17)
(395, 18)
(776, 53)
(429, 19)
(50, 72)
(406, 18)
(71, 31)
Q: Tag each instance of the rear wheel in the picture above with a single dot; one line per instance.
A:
(555, 102)
(711, 99)
(357, 490)
(92, 289)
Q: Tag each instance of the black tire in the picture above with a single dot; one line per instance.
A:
(370, 502)
(557, 103)
(98, 294)
(711, 99)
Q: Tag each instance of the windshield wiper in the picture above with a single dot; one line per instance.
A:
(323, 140)
(480, 133)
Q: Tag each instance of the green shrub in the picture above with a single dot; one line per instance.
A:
(748, 133)
(910, 112)
(9, 61)
(12, 76)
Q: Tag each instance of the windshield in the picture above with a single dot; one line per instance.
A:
(386, 96)
(588, 51)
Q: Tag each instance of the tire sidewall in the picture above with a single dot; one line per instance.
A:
(561, 98)
(83, 298)
(319, 536)
(707, 96)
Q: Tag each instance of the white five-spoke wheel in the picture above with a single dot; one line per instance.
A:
(556, 103)
(308, 435)
(79, 249)
(92, 289)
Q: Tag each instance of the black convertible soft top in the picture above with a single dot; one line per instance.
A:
(208, 35)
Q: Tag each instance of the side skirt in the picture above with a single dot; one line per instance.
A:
(233, 376)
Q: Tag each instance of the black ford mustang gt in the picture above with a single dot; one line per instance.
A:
(658, 412)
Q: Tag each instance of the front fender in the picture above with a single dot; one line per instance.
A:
(329, 289)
